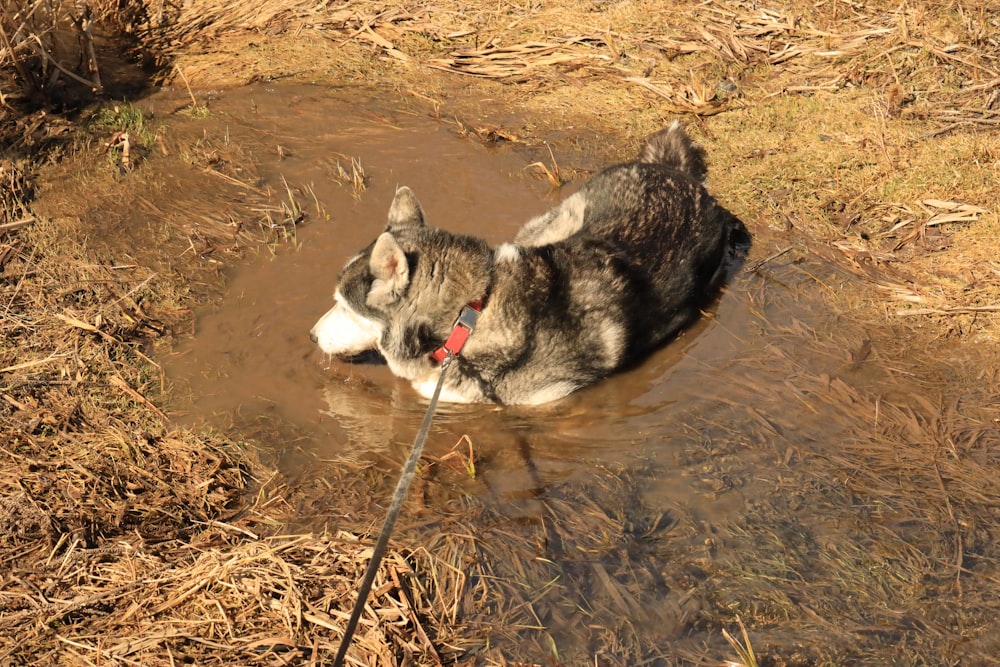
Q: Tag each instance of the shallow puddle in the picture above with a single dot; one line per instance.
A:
(702, 431)
(251, 359)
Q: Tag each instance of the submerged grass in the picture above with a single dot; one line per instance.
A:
(857, 137)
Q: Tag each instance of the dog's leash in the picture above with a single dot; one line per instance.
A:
(466, 322)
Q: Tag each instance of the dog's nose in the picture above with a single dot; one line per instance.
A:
(312, 337)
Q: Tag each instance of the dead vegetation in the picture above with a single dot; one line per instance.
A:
(861, 136)
(126, 542)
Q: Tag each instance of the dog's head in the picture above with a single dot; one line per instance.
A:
(368, 285)
(400, 295)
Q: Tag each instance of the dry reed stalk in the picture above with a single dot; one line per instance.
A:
(167, 556)
(947, 446)
(356, 178)
(16, 191)
(36, 41)
(747, 657)
(518, 60)
(278, 594)
(553, 175)
(731, 32)
(692, 99)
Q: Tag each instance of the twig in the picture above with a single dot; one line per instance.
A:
(29, 82)
(31, 364)
(959, 549)
(17, 224)
(194, 102)
(121, 384)
(756, 265)
(40, 50)
(950, 310)
(410, 608)
(80, 324)
(85, 25)
(20, 282)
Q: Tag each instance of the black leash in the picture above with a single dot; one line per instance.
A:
(398, 496)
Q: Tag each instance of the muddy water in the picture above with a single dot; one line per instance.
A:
(676, 422)
(251, 360)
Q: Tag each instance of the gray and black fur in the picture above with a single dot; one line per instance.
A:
(592, 286)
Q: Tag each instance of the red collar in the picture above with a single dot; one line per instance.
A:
(464, 326)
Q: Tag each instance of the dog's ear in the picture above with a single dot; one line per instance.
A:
(405, 210)
(392, 273)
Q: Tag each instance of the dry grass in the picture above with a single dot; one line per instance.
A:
(862, 137)
(129, 543)
(163, 549)
(881, 102)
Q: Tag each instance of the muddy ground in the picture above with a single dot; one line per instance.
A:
(859, 143)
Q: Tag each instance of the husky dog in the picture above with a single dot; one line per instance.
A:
(592, 286)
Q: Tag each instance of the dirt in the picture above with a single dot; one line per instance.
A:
(813, 461)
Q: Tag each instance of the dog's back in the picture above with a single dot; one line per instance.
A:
(667, 234)
(657, 216)
(630, 201)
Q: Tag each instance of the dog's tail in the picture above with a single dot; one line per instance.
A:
(673, 148)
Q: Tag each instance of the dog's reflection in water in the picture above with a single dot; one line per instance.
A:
(380, 420)
(363, 409)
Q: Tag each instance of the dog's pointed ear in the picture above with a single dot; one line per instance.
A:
(389, 267)
(405, 210)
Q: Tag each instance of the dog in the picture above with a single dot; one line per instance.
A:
(589, 288)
